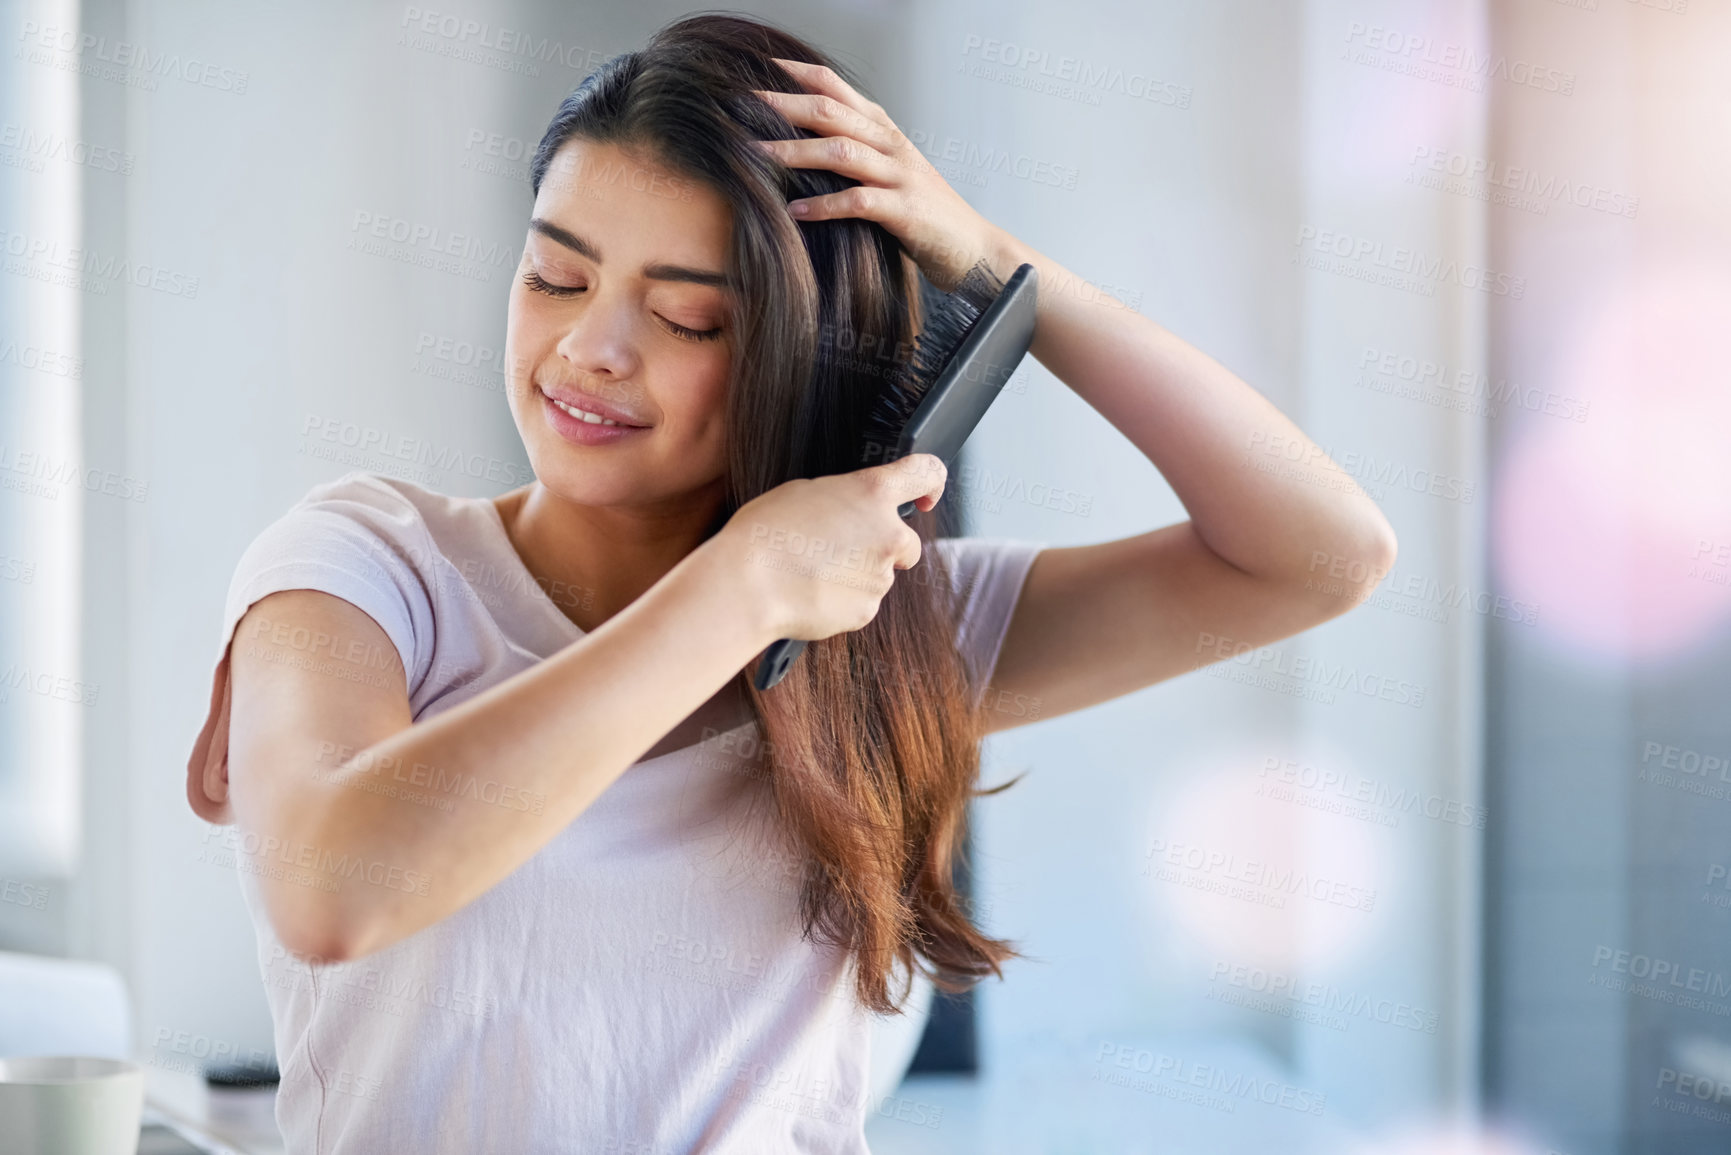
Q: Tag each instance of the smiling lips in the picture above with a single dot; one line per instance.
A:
(592, 411)
(591, 418)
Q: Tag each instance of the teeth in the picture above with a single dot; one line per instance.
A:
(591, 418)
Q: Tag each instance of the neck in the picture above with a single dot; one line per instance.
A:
(593, 561)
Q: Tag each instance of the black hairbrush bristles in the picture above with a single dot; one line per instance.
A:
(948, 324)
(973, 339)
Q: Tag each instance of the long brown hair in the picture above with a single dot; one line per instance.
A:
(873, 737)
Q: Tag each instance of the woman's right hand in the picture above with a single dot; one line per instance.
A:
(816, 556)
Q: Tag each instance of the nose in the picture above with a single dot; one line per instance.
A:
(600, 346)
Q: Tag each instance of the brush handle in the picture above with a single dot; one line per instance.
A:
(780, 657)
(777, 661)
(966, 386)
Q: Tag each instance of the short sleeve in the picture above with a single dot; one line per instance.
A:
(986, 577)
(356, 538)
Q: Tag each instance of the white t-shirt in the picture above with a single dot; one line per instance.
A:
(640, 986)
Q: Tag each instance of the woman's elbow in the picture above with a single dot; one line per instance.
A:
(1380, 547)
(315, 930)
(1344, 570)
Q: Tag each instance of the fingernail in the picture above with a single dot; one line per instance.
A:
(799, 208)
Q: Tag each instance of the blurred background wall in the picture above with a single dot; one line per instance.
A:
(1382, 872)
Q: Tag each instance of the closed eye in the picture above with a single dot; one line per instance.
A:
(536, 284)
(539, 284)
(691, 334)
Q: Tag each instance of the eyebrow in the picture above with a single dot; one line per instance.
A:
(657, 272)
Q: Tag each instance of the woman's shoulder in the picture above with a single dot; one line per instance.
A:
(408, 520)
(985, 577)
(378, 529)
(979, 566)
(371, 496)
(364, 538)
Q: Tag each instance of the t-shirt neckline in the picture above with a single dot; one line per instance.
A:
(523, 572)
(541, 596)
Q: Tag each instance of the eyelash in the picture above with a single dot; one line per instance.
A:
(536, 284)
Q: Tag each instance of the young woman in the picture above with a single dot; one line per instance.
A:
(533, 866)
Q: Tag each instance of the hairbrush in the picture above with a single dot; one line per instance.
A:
(971, 343)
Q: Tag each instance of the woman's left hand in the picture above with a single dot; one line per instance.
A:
(899, 188)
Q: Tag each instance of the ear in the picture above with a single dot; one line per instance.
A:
(207, 769)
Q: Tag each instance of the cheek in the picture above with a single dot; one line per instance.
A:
(527, 342)
(709, 397)
(691, 392)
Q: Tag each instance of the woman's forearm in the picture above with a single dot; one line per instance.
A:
(1260, 494)
(560, 732)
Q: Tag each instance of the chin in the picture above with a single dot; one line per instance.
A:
(616, 483)
(584, 484)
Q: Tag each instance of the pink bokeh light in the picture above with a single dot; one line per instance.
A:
(1239, 867)
(1365, 144)
(1619, 528)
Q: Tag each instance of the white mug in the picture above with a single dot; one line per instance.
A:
(71, 1106)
